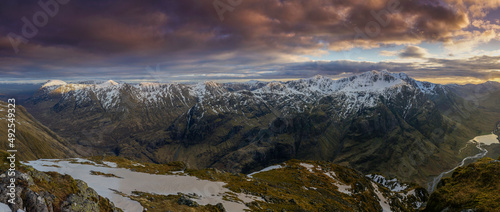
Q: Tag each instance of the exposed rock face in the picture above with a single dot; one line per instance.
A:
(86, 200)
(78, 203)
(183, 200)
(35, 202)
(374, 122)
(23, 180)
(220, 207)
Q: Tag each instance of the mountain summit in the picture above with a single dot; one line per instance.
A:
(53, 83)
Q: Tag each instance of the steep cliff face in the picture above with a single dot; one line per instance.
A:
(374, 122)
(33, 140)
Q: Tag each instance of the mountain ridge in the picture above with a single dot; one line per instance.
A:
(310, 89)
(319, 83)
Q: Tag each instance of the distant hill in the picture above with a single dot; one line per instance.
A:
(19, 91)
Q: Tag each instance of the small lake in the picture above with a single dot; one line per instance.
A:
(487, 139)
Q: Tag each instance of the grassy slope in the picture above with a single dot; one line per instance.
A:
(475, 186)
(33, 140)
(293, 188)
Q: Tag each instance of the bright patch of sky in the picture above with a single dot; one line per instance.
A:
(357, 54)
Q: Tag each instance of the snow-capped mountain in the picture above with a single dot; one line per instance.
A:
(53, 84)
(369, 82)
(353, 93)
(362, 120)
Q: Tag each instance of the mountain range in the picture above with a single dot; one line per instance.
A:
(374, 122)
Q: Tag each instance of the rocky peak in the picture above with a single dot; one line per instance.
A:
(52, 85)
(370, 81)
(209, 89)
(108, 83)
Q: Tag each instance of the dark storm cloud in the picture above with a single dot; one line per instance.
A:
(121, 38)
(413, 52)
(483, 67)
(339, 67)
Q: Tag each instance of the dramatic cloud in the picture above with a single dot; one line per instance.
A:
(413, 52)
(477, 8)
(79, 38)
(476, 68)
(176, 26)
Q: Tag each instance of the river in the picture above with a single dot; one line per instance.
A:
(479, 140)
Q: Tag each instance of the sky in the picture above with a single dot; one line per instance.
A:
(441, 41)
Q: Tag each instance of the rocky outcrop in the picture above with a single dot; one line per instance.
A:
(85, 200)
(36, 202)
(23, 181)
(33, 193)
(183, 200)
(78, 203)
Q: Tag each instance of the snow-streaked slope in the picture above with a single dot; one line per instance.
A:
(391, 184)
(350, 94)
(371, 82)
(387, 192)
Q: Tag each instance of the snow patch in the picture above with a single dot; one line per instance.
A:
(331, 175)
(108, 83)
(384, 203)
(346, 189)
(4, 208)
(309, 167)
(266, 169)
(110, 164)
(391, 184)
(138, 164)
